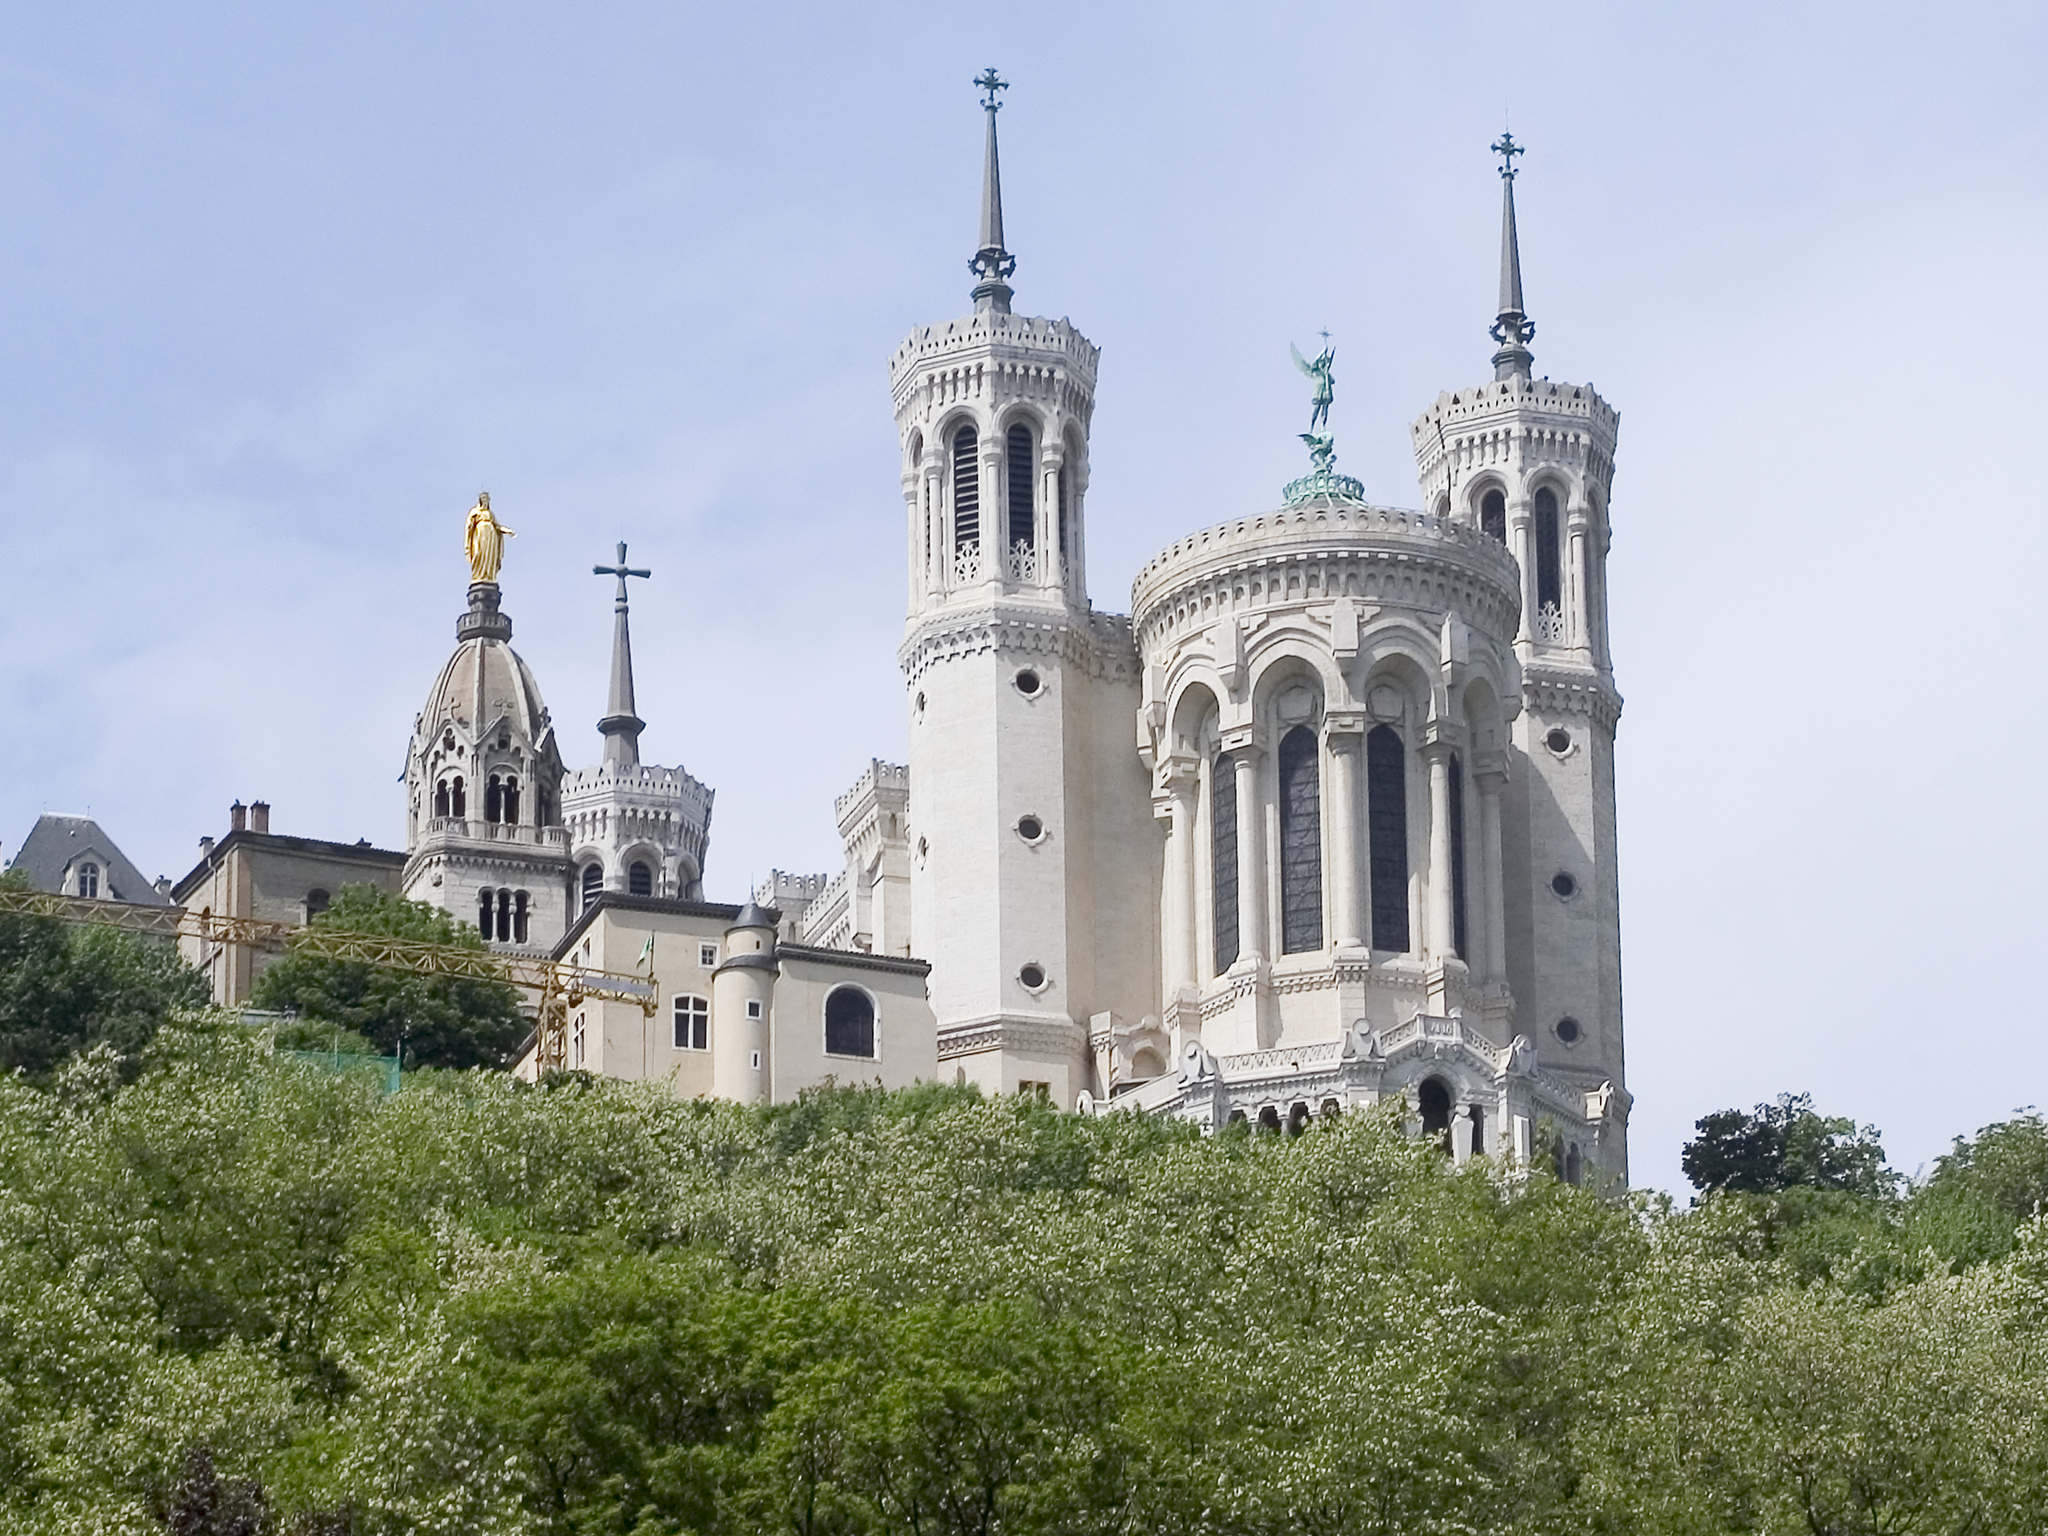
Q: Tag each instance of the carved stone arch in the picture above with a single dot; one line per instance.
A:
(1193, 702)
(1556, 477)
(1029, 412)
(1407, 654)
(1291, 648)
(1473, 493)
(1479, 706)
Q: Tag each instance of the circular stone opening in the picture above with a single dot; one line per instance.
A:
(1565, 886)
(1568, 1030)
(1029, 682)
(1559, 740)
(1030, 828)
(1033, 977)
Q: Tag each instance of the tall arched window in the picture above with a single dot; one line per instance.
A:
(458, 802)
(519, 917)
(493, 800)
(504, 917)
(486, 914)
(1023, 524)
(1493, 516)
(966, 488)
(1433, 1098)
(1548, 586)
(1386, 816)
(849, 1023)
(593, 884)
(640, 879)
(441, 798)
(1458, 858)
(1223, 859)
(1301, 843)
(510, 804)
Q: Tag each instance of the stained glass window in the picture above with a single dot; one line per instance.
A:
(1301, 843)
(1386, 789)
(1223, 859)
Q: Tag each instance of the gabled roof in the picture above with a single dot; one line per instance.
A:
(56, 842)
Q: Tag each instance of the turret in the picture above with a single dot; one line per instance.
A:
(742, 1001)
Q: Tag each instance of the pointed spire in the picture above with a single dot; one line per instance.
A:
(620, 725)
(1512, 327)
(991, 264)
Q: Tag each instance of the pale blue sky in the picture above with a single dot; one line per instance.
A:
(282, 290)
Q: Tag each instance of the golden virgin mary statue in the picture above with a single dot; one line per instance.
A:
(484, 540)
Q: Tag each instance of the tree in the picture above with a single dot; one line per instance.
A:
(67, 987)
(444, 1021)
(1786, 1145)
(1983, 1189)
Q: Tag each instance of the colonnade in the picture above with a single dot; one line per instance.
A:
(1247, 756)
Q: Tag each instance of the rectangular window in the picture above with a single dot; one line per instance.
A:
(693, 1024)
(576, 1044)
(753, 1007)
(707, 956)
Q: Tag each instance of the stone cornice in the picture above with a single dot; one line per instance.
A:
(1033, 1037)
(1556, 691)
(1097, 643)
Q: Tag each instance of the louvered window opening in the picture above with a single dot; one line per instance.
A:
(1301, 843)
(1493, 516)
(1023, 528)
(1386, 789)
(1548, 586)
(1458, 928)
(966, 489)
(1223, 860)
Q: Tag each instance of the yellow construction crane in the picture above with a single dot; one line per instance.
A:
(559, 987)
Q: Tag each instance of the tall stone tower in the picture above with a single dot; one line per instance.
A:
(1531, 462)
(1034, 865)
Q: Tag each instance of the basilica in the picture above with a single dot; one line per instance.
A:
(1326, 818)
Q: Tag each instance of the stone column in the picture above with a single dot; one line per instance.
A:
(1437, 753)
(1579, 629)
(1521, 539)
(1177, 938)
(995, 511)
(1344, 737)
(938, 551)
(1247, 750)
(1050, 456)
(920, 562)
(1488, 777)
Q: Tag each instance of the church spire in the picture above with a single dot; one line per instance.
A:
(991, 264)
(620, 725)
(1512, 327)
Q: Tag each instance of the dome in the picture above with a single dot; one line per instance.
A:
(485, 682)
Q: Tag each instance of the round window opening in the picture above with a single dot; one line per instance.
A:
(1565, 886)
(1029, 682)
(1559, 740)
(1033, 977)
(1568, 1030)
(1030, 828)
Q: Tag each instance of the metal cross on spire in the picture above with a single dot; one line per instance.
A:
(989, 82)
(1506, 147)
(991, 262)
(621, 724)
(620, 570)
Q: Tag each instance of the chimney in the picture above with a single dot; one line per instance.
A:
(238, 819)
(163, 885)
(259, 816)
(205, 848)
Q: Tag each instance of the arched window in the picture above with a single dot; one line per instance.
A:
(593, 884)
(510, 804)
(1548, 588)
(1493, 516)
(1023, 524)
(519, 917)
(494, 802)
(89, 880)
(317, 902)
(504, 917)
(441, 798)
(1458, 858)
(849, 1023)
(486, 914)
(966, 488)
(1433, 1098)
(1223, 859)
(1301, 843)
(1478, 1117)
(458, 802)
(640, 879)
(1386, 815)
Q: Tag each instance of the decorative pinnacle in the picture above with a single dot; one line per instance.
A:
(621, 726)
(1512, 328)
(991, 263)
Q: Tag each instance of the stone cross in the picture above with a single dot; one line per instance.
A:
(621, 570)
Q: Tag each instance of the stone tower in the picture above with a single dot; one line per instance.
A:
(637, 828)
(484, 837)
(1034, 865)
(1531, 463)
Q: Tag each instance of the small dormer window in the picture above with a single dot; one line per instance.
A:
(89, 880)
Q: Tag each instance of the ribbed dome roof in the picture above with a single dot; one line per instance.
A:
(485, 679)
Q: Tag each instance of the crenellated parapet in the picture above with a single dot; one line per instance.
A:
(1500, 432)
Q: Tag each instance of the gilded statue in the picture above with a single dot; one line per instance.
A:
(484, 540)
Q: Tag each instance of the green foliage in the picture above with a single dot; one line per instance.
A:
(1983, 1191)
(443, 1021)
(1785, 1145)
(67, 988)
(479, 1307)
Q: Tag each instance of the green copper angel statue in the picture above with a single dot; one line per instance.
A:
(1321, 370)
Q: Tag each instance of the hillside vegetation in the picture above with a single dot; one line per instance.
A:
(242, 1293)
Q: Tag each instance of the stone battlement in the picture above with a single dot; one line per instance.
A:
(993, 333)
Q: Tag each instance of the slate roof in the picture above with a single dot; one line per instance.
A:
(55, 841)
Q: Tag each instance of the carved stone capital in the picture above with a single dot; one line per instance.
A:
(1244, 741)
(1344, 730)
